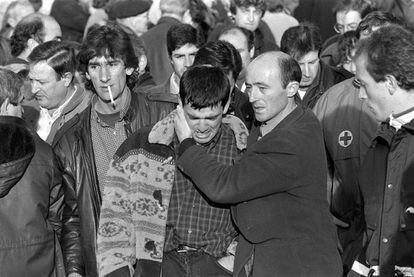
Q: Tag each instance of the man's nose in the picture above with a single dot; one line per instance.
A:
(188, 61)
(251, 16)
(202, 126)
(104, 74)
(35, 89)
(252, 95)
(362, 93)
(306, 70)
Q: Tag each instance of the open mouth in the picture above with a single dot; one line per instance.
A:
(202, 136)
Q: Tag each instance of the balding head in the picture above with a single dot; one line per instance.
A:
(32, 30)
(271, 83)
(283, 63)
(51, 29)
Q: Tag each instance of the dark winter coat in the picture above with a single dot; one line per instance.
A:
(31, 203)
(278, 189)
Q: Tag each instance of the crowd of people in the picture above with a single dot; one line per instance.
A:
(172, 138)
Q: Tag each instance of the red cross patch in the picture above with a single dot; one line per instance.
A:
(345, 138)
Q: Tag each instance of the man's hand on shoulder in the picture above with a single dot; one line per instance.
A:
(182, 129)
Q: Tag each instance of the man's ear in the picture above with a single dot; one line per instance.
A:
(251, 52)
(87, 76)
(391, 83)
(31, 44)
(67, 77)
(292, 88)
(142, 63)
(129, 70)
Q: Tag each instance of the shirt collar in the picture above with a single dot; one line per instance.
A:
(56, 114)
(400, 119)
(268, 126)
(174, 85)
(122, 112)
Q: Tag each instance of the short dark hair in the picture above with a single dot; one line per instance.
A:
(346, 43)
(25, 30)
(389, 51)
(58, 55)
(10, 85)
(361, 6)
(376, 19)
(289, 71)
(221, 54)
(107, 41)
(247, 33)
(299, 40)
(258, 4)
(204, 86)
(180, 34)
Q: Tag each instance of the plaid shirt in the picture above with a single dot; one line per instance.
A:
(195, 221)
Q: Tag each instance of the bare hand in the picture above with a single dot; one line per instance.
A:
(182, 129)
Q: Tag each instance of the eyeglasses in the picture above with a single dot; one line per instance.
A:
(339, 28)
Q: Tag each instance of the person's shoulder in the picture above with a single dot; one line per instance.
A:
(72, 127)
(138, 144)
(235, 131)
(215, 33)
(336, 94)
(332, 75)
(298, 125)
(135, 141)
(339, 73)
(156, 89)
(163, 24)
(44, 153)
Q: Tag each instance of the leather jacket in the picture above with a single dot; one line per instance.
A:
(327, 77)
(74, 147)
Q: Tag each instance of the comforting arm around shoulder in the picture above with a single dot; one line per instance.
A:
(256, 174)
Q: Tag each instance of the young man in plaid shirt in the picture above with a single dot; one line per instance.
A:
(199, 231)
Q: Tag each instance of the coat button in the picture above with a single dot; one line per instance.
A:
(390, 186)
(384, 240)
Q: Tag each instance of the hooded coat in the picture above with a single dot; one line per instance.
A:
(31, 203)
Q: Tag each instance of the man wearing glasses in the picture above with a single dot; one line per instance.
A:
(348, 14)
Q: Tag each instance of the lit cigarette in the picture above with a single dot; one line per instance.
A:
(110, 96)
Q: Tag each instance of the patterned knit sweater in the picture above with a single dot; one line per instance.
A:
(136, 195)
